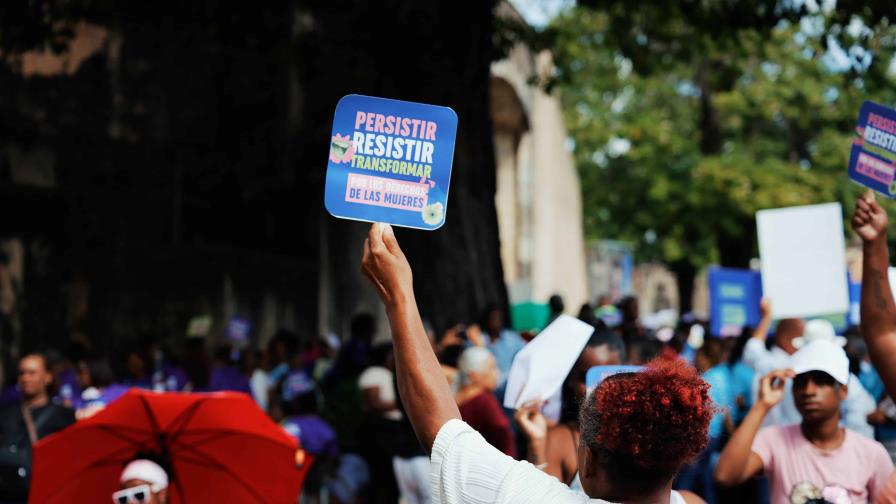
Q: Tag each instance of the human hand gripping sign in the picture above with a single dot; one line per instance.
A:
(386, 266)
(869, 220)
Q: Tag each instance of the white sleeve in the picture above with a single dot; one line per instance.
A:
(754, 351)
(468, 470)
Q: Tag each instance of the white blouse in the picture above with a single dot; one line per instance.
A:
(468, 470)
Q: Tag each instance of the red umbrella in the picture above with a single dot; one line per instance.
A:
(220, 447)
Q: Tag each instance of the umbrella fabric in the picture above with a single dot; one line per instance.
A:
(221, 448)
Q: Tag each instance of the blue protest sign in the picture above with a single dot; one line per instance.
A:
(390, 161)
(238, 330)
(598, 374)
(872, 160)
(734, 296)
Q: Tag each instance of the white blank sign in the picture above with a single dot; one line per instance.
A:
(803, 260)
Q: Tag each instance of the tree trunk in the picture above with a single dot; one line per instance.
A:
(684, 275)
(241, 97)
(428, 58)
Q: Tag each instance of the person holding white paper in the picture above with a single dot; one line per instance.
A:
(540, 369)
(620, 459)
(605, 348)
(558, 448)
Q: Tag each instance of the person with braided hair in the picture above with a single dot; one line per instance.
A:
(637, 430)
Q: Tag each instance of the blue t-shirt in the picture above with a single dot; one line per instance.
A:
(870, 379)
(505, 349)
(719, 380)
(741, 386)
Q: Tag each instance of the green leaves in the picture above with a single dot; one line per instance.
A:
(719, 117)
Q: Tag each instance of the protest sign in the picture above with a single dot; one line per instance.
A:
(238, 330)
(872, 159)
(803, 260)
(199, 327)
(598, 374)
(539, 369)
(734, 296)
(390, 161)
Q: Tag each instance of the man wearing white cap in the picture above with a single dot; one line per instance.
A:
(792, 335)
(818, 458)
(142, 482)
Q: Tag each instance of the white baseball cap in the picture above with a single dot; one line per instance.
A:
(818, 329)
(822, 355)
(146, 470)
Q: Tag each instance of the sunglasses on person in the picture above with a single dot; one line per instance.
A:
(138, 494)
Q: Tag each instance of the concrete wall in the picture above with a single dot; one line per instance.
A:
(539, 197)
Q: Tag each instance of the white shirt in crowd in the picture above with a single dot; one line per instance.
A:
(380, 377)
(260, 384)
(854, 409)
(468, 470)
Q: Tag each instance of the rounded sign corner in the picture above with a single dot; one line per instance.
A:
(327, 207)
(453, 113)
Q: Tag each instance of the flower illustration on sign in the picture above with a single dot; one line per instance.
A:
(433, 214)
(341, 149)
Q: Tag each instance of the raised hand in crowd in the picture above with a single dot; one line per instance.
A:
(877, 307)
(425, 394)
(771, 388)
(535, 426)
(738, 462)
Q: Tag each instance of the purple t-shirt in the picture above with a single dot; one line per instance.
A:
(228, 378)
(854, 472)
(93, 397)
(10, 394)
(315, 435)
(69, 388)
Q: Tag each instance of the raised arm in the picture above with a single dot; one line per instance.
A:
(755, 349)
(878, 310)
(738, 462)
(425, 394)
(765, 321)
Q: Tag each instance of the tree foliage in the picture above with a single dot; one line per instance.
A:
(688, 117)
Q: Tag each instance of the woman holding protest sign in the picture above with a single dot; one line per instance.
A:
(637, 430)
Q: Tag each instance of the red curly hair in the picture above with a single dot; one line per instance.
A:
(645, 426)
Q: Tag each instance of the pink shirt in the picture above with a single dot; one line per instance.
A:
(853, 473)
(888, 494)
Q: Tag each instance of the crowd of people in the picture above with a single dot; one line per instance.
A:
(789, 411)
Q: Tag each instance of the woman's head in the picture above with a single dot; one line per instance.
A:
(477, 367)
(639, 429)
